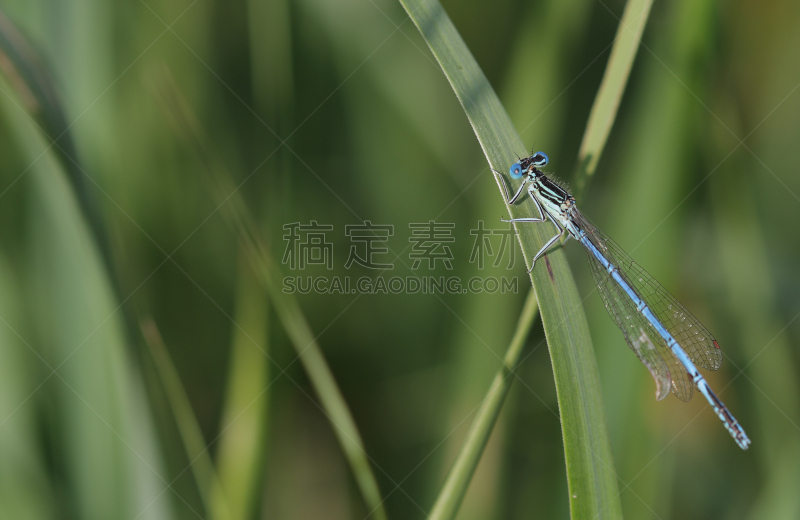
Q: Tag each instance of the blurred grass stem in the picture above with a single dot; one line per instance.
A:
(612, 87)
(455, 487)
(235, 211)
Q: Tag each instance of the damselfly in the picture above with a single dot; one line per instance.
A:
(662, 333)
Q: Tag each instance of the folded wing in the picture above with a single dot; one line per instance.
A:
(640, 335)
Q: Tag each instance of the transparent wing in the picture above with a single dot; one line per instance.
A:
(687, 330)
(646, 343)
(690, 334)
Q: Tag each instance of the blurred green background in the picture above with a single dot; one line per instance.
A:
(336, 112)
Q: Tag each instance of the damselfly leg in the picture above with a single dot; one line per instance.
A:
(542, 218)
(513, 199)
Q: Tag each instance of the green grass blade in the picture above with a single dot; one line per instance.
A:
(615, 77)
(235, 210)
(242, 442)
(319, 373)
(590, 468)
(36, 89)
(25, 489)
(196, 449)
(101, 432)
(455, 487)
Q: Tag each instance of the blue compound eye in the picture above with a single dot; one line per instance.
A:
(540, 159)
(515, 171)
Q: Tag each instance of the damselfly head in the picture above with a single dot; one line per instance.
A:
(529, 165)
(539, 159)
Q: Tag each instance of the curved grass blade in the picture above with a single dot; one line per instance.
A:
(455, 487)
(36, 89)
(590, 468)
(235, 210)
(606, 103)
(102, 431)
(243, 436)
(202, 466)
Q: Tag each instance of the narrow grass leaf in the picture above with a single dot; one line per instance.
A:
(615, 77)
(590, 468)
(34, 85)
(26, 490)
(237, 214)
(196, 449)
(243, 435)
(99, 424)
(455, 487)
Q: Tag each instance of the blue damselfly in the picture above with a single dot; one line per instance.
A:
(662, 333)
